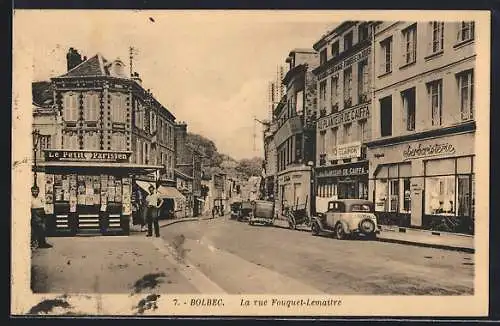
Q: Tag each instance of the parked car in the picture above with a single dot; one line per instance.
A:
(262, 212)
(347, 218)
(245, 210)
(235, 209)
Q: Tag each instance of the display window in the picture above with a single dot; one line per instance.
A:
(392, 188)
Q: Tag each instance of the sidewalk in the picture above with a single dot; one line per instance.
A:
(166, 222)
(441, 240)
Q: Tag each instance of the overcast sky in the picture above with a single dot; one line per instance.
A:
(211, 69)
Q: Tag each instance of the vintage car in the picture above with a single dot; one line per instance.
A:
(245, 210)
(235, 209)
(262, 212)
(347, 218)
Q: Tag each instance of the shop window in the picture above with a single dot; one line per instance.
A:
(408, 97)
(386, 56)
(405, 195)
(440, 195)
(464, 195)
(436, 42)
(465, 82)
(70, 107)
(348, 87)
(435, 93)
(386, 116)
(409, 44)
(363, 190)
(92, 107)
(381, 191)
(393, 195)
(465, 31)
(334, 94)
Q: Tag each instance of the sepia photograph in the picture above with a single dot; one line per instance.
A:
(250, 163)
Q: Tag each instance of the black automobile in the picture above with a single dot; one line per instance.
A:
(235, 210)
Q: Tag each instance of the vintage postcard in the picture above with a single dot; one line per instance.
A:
(250, 163)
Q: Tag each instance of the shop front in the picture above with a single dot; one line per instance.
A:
(88, 191)
(342, 181)
(426, 183)
(294, 189)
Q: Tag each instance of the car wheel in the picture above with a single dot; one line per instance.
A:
(315, 228)
(339, 232)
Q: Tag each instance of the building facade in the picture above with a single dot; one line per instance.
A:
(344, 101)
(295, 135)
(422, 149)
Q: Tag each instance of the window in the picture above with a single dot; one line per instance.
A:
(363, 32)
(118, 142)
(363, 81)
(440, 195)
(335, 49)
(348, 87)
(386, 116)
(408, 97)
(91, 108)
(322, 97)
(347, 133)
(299, 105)
(322, 57)
(91, 141)
(466, 91)
(334, 96)
(392, 189)
(437, 29)
(43, 143)
(118, 108)
(410, 45)
(138, 152)
(70, 107)
(362, 131)
(386, 56)
(465, 31)
(360, 208)
(70, 141)
(152, 121)
(348, 41)
(334, 138)
(298, 148)
(321, 143)
(435, 97)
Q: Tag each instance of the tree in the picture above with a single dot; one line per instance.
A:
(250, 167)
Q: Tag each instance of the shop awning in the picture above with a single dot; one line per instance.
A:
(202, 200)
(128, 167)
(170, 192)
(144, 185)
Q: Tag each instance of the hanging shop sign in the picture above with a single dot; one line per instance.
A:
(345, 64)
(87, 156)
(345, 151)
(344, 116)
(425, 150)
(343, 171)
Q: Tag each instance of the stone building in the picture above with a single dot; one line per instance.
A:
(344, 102)
(422, 149)
(295, 135)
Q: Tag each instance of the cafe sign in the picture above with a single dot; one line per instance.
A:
(345, 63)
(343, 171)
(346, 151)
(420, 150)
(344, 116)
(86, 156)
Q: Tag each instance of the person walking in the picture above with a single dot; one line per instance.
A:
(38, 219)
(153, 203)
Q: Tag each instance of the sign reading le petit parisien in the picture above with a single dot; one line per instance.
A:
(89, 156)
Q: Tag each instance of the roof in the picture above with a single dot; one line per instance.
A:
(95, 66)
(336, 30)
(41, 93)
(301, 50)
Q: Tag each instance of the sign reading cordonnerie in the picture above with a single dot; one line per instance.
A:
(86, 155)
(344, 116)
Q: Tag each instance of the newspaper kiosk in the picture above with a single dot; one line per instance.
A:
(89, 191)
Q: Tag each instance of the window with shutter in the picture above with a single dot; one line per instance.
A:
(91, 109)
(70, 104)
(437, 29)
(465, 31)
(466, 91)
(435, 100)
(409, 45)
(386, 56)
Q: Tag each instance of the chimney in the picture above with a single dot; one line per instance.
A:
(137, 78)
(180, 142)
(73, 58)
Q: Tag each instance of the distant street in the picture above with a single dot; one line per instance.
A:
(226, 256)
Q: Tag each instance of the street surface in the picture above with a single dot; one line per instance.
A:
(226, 256)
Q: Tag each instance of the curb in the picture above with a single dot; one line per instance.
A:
(428, 245)
(189, 219)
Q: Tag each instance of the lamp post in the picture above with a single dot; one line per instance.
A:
(36, 138)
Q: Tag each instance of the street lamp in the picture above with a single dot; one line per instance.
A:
(36, 139)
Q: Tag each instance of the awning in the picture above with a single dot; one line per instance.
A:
(202, 200)
(144, 185)
(170, 192)
(129, 167)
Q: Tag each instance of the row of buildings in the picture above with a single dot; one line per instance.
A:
(382, 111)
(101, 138)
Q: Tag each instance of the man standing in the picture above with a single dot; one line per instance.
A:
(153, 203)
(38, 218)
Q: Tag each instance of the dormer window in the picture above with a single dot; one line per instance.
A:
(348, 41)
(322, 56)
(335, 49)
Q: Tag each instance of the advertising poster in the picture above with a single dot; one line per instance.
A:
(59, 195)
(81, 190)
(118, 191)
(72, 204)
(65, 188)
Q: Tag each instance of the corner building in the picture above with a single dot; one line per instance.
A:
(295, 137)
(422, 152)
(344, 102)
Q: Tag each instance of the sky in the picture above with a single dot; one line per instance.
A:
(210, 69)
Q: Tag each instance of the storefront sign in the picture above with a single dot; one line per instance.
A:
(88, 156)
(346, 151)
(420, 150)
(343, 171)
(344, 116)
(345, 64)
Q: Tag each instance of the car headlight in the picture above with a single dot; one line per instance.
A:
(367, 226)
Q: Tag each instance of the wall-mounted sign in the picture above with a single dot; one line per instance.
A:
(345, 63)
(420, 150)
(344, 116)
(345, 151)
(354, 169)
(87, 156)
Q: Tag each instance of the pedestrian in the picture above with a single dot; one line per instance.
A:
(142, 210)
(153, 203)
(38, 219)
